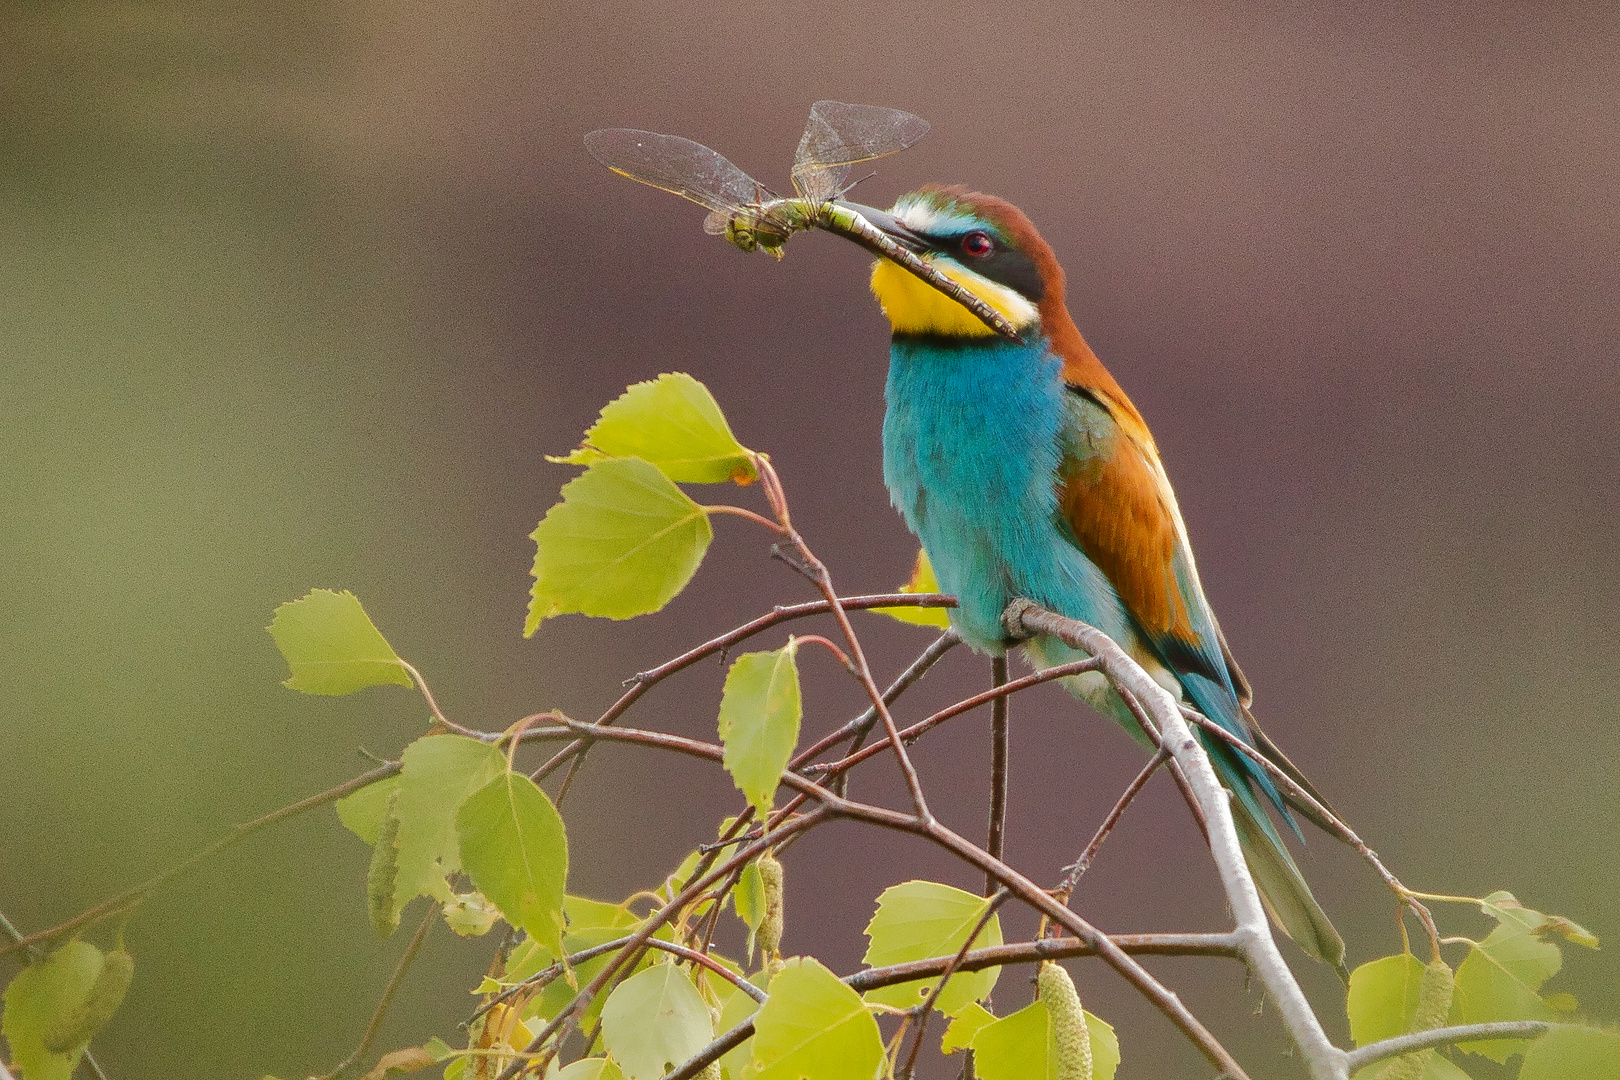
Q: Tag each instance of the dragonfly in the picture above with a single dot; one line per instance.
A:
(837, 137)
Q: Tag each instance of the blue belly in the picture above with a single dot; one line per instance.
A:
(972, 442)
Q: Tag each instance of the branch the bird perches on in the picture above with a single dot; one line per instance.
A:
(1256, 945)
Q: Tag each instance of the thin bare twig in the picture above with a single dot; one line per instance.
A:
(138, 895)
(998, 770)
(823, 580)
(857, 728)
(1176, 771)
(646, 680)
(1075, 870)
(1425, 1040)
(926, 1008)
(389, 991)
(921, 727)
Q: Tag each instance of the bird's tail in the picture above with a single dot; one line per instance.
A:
(1282, 887)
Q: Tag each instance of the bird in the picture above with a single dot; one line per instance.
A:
(1025, 471)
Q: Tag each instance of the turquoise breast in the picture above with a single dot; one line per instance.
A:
(972, 441)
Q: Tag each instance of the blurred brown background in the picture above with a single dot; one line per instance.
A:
(298, 295)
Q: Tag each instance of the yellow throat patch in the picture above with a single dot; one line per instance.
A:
(916, 307)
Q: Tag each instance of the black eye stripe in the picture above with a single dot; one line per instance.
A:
(1003, 264)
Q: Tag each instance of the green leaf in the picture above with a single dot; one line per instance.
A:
(332, 646)
(596, 1068)
(77, 1027)
(514, 848)
(43, 996)
(673, 422)
(922, 581)
(749, 900)
(1572, 1053)
(749, 896)
(583, 912)
(967, 1023)
(654, 1020)
(1023, 1046)
(1017, 1047)
(1383, 998)
(1104, 1047)
(622, 543)
(813, 1027)
(471, 914)
(439, 772)
(362, 813)
(739, 1006)
(920, 920)
(1501, 977)
(759, 721)
(1505, 907)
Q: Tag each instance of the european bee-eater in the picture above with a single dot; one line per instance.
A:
(1025, 471)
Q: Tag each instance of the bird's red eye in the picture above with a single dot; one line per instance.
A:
(977, 244)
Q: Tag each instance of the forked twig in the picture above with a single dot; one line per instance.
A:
(646, 680)
(823, 580)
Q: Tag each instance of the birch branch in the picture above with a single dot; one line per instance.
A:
(1426, 1040)
(1253, 931)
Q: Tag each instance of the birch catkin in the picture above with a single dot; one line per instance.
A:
(1433, 1006)
(770, 927)
(1070, 1033)
(383, 873)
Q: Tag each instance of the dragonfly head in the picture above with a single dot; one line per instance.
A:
(984, 244)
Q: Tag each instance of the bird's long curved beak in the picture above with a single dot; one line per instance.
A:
(891, 226)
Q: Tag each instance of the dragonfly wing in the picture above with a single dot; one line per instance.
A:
(679, 166)
(838, 135)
